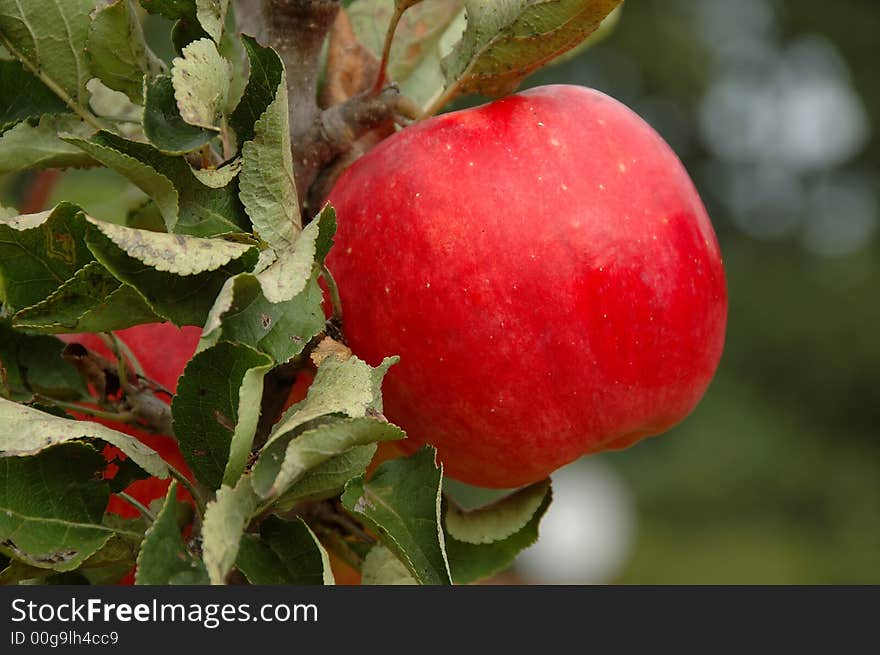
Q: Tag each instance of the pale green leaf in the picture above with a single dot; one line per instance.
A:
(499, 520)
(288, 275)
(163, 125)
(225, 521)
(201, 84)
(351, 388)
(178, 275)
(328, 479)
(471, 562)
(313, 447)
(27, 431)
(382, 567)
(212, 16)
(172, 253)
(188, 206)
(268, 189)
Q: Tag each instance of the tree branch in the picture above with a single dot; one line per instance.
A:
(296, 29)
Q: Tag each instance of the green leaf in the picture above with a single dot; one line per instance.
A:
(91, 301)
(212, 16)
(286, 553)
(216, 410)
(268, 189)
(22, 95)
(327, 479)
(39, 252)
(187, 205)
(51, 504)
(163, 125)
(499, 520)
(32, 363)
(201, 84)
(50, 37)
(266, 74)
(178, 275)
(242, 314)
(401, 502)
(117, 52)
(27, 431)
(164, 558)
(35, 144)
(381, 567)
(471, 562)
(225, 521)
(506, 40)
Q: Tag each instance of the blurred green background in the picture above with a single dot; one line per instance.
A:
(774, 107)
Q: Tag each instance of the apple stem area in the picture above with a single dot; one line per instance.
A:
(321, 132)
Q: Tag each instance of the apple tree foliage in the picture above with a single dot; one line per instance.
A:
(222, 244)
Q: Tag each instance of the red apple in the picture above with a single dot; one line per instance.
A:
(547, 272)
(164, 351)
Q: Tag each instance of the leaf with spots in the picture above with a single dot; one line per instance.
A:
(51, 506)
(163, 125)
(216, 410)
(179, 276)
(201, 78)
(242, 314)
(39, 252)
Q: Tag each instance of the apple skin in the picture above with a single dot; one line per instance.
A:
(164, 351)
(547, 272)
